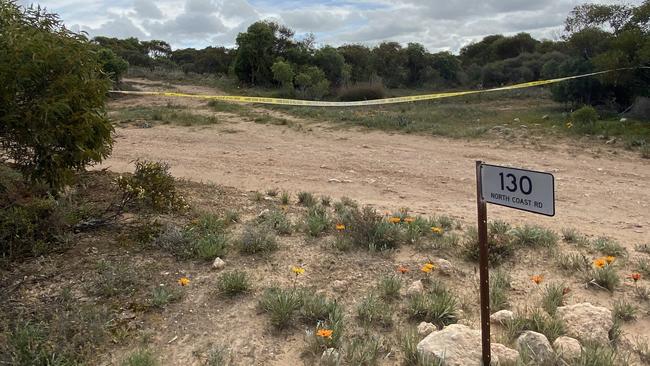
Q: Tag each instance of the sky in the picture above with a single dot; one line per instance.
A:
(440, 25)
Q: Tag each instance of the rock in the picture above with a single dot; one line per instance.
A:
(586, 322)
(517, 120)
(623, 119)
(424, 328)
(218, 263)
(569, 349)
(334, 180)
(502, 355)
(445, 267)
(536, 346)
(456, 345)
(415, 288)
(545, 117)
(330, 357)
(501, 316)
(339, 285)
(264, 213)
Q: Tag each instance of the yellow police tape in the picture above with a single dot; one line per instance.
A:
(412, 98)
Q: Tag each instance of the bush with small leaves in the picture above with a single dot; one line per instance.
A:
(317, 308)
(367, 229)
(152, 186)
(572, 261)
(278, 221)
(210, 246)
(219, 356)
(500, 242)
(257, 239)
(233, 283)
(281, 305)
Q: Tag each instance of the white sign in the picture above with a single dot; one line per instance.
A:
(518, 188)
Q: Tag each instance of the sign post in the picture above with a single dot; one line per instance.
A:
(520, 189)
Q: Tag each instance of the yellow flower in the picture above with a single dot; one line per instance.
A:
(569, 125)
(600, 262)
(325, 333)
(609, 259)
(183, 281)
(437, 230)
(395, 220)
(537, 279)
(427, 267)
(340, 227)
(409, 220)
(297, 270)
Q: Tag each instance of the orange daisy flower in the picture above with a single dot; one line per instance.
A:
(183, 281)
(600, 263)
(537, 279)
(635, 276)
(340, 227)
(402, 269)
(395, 220)
(325, 333)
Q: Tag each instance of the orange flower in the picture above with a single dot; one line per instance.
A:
(537, 279)
(183, 281)
(395, 220)
(427, 267)
(609, 259)
(600, 263)
(340, 227)
(437, 230)
(402, 269)
(409, 220)
(325, 333)
(635, 276)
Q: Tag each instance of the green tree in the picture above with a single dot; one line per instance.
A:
(332, 63)
(255, 54)
(360, 60)
(52, 94)
(283, 73)
(112, 64)
(312, 83)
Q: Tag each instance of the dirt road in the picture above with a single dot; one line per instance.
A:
(598, 192)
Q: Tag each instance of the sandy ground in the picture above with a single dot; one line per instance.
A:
(598, 192)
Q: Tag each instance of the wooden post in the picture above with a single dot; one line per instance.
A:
(483, 267)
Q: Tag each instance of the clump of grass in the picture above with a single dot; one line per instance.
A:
(389, 287)
(572, 261)
(273, 192)
(571, 235)
(210, 246)
(643, 267)
(285, 198)
(534, 236)
(231, 217)
(257, 239)
(371, 310)
(162, 295)
(281, 305)
(624, 311)
(553, 297)
(537, 321)
(641, 348)
(608, 246)
(605, 278)
(219, 356)
(114, 280)
(642, 248)
(233, 283)
(500, 242)
(437, 307)
(141, 357)
(364, 350)
(412, 357)
(444, 221)
(317, 220)
(499, 286)
(306, 199)
(257, 196)
(367, 229)
(597, 355)
(278, 221)
(326, 201)
(642, 293)
(317, 308)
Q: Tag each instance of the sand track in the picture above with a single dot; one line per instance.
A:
(600, 193)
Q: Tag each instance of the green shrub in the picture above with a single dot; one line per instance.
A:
(597, 355)
(278, 221)
(210, 246)
(534, 236)
(500, 243)
(113, 280)
(437, 307)
(363, 350)
(584, 119)
(624, 311)
(606, 278)
(317, 220)
(153, 186)
(572, 261)
(280, 305)
(362, 91)
(369, 230)
(317, 308)
(219, 356)
(257, 239)
(607, 246)
(285, 198)
(52, 95)
(371, 310)
(233, 283)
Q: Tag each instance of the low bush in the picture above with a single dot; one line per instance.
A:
(607, 246)
(605, 278)
(315, 308)
(317, 220)
(499, 287)
(306, 199)
(278, 221)
(584, 119)
(389, 287)
(553, 297)
(257, 239)
(500, 242)
(367, 229)
(361, 91)
(162, 295)
(151, 186)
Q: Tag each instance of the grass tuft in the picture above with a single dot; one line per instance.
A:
(257, 239)
(437, 307)
(534, 236)
(607, 246)
(499, 286)
(233, 283)
(141, 357)
(372, 311)
(281, 305)
(317, 220)
(624, 311)
(553, 297)
(306, 199)
(389, 287)
(605, 278)
(162, 295)
(537, 321)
